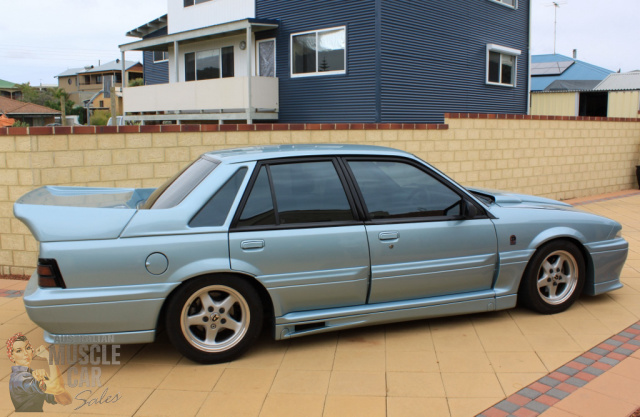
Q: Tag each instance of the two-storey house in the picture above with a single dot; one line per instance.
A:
(91, 86)
(334, 61)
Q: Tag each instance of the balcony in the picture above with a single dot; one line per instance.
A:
(217, 99)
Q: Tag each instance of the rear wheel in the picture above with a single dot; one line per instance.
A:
(554, 278)
(214, 319)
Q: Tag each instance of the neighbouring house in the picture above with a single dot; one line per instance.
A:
(331, 61)
(90, 87)
(563, 86)
(623, 94)
(10, 90)
(32, 114)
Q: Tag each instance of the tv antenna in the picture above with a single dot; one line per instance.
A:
(556, 5)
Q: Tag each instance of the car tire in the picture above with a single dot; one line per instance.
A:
(214, 319)
(554, 278)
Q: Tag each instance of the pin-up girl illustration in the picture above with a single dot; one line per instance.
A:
(30, 388)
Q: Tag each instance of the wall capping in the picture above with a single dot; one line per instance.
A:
(271, 127)
(536, 117)
(277, 127)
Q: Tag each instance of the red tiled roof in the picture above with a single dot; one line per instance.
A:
(15, 107)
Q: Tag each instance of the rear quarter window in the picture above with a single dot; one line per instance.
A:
(172, 192)
(215, 212)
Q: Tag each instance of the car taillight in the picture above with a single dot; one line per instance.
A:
(49, 275)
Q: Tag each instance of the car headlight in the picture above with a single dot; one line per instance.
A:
(619, 234)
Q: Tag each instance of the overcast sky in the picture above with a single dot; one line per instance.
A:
(39, 39)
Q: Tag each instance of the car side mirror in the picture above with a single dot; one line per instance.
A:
(470, 211)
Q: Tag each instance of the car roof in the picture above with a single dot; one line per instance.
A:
(287, 151)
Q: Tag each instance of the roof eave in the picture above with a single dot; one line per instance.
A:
(148, 28)
(162, 42)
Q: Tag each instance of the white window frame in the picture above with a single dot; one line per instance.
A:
(503, 50)
(317, 73)
(219, 49)
(164, 53)
(501, 2)
(275, 67)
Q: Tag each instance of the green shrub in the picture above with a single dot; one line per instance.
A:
(100, 118)
(136, 82)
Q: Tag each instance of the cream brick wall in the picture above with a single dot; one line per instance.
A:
(551, 158)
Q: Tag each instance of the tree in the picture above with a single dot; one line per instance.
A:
(324, 65)
(35, 95)
(52, 98)
(63, 96)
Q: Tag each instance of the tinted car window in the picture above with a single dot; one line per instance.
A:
(395, 190)
(258, 211)
(172, 192)
(309, 192)
(215, 212)
(305, 192)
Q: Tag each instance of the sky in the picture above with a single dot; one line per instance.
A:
(46, 37)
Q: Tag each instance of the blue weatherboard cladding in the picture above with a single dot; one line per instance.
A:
(431, 59)
(330, 98)
(155, 73)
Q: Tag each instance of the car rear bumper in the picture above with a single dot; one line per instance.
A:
(121, 310)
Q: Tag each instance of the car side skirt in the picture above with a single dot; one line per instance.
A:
(145, 336)
(320, 321)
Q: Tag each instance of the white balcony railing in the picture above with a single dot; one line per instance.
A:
(223, 94)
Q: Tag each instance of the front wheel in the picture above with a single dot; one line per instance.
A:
(554, 278)
(214, 319)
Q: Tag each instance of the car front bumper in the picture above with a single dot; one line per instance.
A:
(608, 258)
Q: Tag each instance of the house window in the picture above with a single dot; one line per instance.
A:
(101, 103)
(206, 65)
(159, 56)
(98, 79)
(502, 65)
(319, 52)
(510, 3)
(188, 3)
(87, 79)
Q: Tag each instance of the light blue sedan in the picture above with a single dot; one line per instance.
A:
(302, 239)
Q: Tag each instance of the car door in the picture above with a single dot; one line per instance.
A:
(421, 244)
(297, 232)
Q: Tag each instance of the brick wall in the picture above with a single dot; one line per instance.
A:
(557, 157)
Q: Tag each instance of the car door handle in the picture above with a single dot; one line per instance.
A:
(388, 235)
(252, 244)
